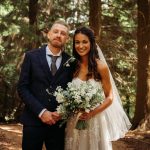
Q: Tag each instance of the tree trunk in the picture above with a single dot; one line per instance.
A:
(95, 17)
(142, 109)
(33, 10)
(33, 7)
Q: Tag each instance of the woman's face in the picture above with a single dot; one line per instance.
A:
(82, 44)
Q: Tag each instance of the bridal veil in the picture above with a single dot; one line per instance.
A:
(117, 121)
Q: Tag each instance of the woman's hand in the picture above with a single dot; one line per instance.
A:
(86, 116)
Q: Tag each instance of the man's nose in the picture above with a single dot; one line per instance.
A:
(58, 34)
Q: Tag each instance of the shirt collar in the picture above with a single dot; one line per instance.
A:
(49, 52)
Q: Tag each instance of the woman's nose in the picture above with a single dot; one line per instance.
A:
(80, 45)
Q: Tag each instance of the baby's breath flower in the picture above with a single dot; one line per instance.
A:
(74, 99)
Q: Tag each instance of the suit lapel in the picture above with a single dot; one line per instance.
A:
(65, 57)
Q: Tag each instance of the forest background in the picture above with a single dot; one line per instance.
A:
(122, 30)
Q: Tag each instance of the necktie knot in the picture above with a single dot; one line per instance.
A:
(54, 58)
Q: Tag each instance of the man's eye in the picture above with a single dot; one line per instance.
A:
(63, 33)
(55, 31)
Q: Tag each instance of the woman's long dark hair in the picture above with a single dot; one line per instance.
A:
(93, 54)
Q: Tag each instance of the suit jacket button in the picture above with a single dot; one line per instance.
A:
(49, 100)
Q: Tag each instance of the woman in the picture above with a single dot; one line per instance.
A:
(102, 121)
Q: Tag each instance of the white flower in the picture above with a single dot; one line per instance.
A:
(67, 63)
(87, 110)
(74, 99)
(60, 98)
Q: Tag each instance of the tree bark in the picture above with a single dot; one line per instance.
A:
(142, 109)
(33, 10)
(95, 17)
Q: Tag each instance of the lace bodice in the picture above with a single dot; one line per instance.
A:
(78, 81)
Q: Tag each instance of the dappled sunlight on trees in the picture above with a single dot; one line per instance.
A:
(22, 30)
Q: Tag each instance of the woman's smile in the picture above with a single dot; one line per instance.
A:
(82, 44)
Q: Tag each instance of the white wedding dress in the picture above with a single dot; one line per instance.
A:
(105, 127)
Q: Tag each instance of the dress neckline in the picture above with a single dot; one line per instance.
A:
(84, 80)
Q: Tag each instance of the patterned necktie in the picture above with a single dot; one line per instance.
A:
(53, 64)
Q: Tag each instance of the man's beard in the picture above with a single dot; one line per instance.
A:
(56, 45)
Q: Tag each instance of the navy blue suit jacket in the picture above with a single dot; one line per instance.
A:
(35, 78)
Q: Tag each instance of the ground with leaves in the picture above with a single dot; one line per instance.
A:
(10, 139)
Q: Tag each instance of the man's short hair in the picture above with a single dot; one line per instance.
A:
(62, 22)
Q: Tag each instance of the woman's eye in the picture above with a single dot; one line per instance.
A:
(85, 42)
(76, 42)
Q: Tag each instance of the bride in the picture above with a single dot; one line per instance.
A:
(108, 122)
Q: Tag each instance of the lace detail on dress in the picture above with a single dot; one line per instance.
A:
(102, 128)
(95, 137)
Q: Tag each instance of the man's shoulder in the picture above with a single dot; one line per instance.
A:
(36, 50)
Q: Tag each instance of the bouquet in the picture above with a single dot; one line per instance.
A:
(76, 99)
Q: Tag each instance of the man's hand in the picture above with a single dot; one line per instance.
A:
(50, 117)
(47, 117)
(56, 116)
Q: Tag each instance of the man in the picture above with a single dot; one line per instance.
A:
(40, 75)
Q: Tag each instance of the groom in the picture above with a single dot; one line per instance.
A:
(42, 71)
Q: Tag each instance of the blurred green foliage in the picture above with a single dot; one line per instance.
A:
(17, 35)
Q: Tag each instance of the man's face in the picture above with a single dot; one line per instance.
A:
(58, 35)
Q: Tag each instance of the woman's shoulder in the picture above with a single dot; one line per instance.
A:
(101, 66)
